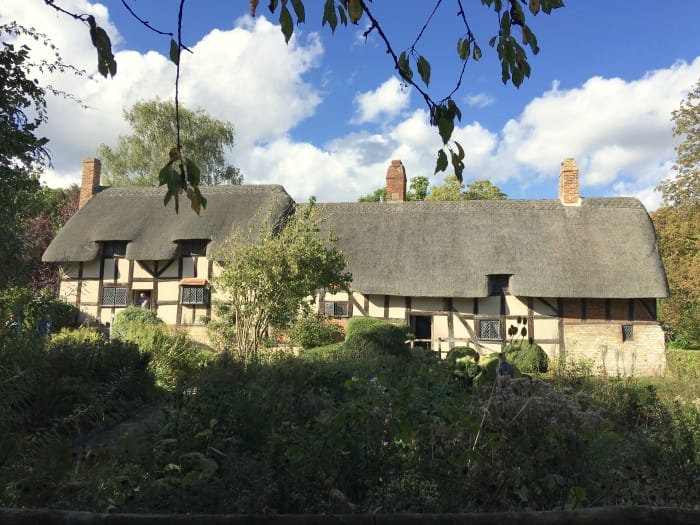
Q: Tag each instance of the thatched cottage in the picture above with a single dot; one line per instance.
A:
(578, 276)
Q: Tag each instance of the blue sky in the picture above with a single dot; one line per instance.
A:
(325, 114)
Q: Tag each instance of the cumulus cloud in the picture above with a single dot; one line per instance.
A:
(618, 130)
(387, 101)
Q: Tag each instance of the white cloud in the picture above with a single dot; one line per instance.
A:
(479, 100)
(387, 101)
(619, 131)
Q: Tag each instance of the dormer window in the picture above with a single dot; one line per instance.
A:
(193, 247)
(498, 284)
(111, 249)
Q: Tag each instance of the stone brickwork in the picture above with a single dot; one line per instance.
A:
(568, 183)
(601, 343)
(396, 182)
(90, 180)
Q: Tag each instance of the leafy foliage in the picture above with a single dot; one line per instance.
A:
(678, 228)
(454, 190)
(312, 330)
(173, 358)
(137, 158)
(527, 357)
(266, 278)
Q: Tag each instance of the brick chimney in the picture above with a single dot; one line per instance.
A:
(91, 179)
(568, 183)
(396, 182)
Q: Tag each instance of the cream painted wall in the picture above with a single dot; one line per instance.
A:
(168, 291)
(91, 270)
(376, 306)
(515, 305)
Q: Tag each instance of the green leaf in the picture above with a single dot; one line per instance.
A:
(492, 41)
(458, 165)
(534, 6)
(477, 52)
(505, 24)
(197, 200)
(286, 23)
(404, 67)
(454, 109)
(441, 164)
(424, 70)
(193, 172)
(272, 5)
(164, 174)
(253, 6)
(342, 15)
(174, 52)
(355, 10)
(299, 10)
(463, 45)
(445, 127)
(329, 15)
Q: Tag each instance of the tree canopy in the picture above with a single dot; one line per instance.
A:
(453, 190)
(22, 151)
(138, 158)
(678, 227)
(265, 282)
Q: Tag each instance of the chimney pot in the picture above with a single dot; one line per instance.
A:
(396, 182)
(90, 183)
(568, 183)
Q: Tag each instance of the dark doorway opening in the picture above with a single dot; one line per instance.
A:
(421, 327)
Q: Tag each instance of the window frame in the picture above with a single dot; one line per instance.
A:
(205, 295)
(490, 322)
(627, 332)
(341, 309)
(114, 304)
(114, 249)
(193, 247)
(498, 283)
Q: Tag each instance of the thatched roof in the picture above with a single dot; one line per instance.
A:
(604, 248)
(137, 215)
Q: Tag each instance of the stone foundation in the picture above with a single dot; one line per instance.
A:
(643, 355)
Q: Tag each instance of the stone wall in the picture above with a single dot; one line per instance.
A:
(601, 343)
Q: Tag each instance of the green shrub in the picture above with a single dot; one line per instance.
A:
(31, 308)
(684, 364)
(527, 357)
(461, 351)
(377, 339)
(361, 324)
(173, 356)
(134, 323)
(312, 330)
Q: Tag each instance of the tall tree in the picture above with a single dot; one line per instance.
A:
(449, 190)
(678, 227)
(483, 189)
(138, 158)
(266, 282)
(22, 152)
(684, 188)
(418, 188)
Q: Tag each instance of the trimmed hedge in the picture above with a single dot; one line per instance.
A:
(528, 358)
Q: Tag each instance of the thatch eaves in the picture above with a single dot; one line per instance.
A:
(137, 215)
(605, 248)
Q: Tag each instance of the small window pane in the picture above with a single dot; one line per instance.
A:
(627, 332)
(194, 295)
(490, 329)
(114, 296)
(335, 308)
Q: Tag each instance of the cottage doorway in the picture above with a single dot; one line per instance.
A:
(421, 327)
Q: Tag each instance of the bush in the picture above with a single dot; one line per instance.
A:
(361, 324)
(527, 357)
(312, 330)
(375, 339)
(173, 357)
(684, 364)
(134, 323)
(459, 352)
(31, 308)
